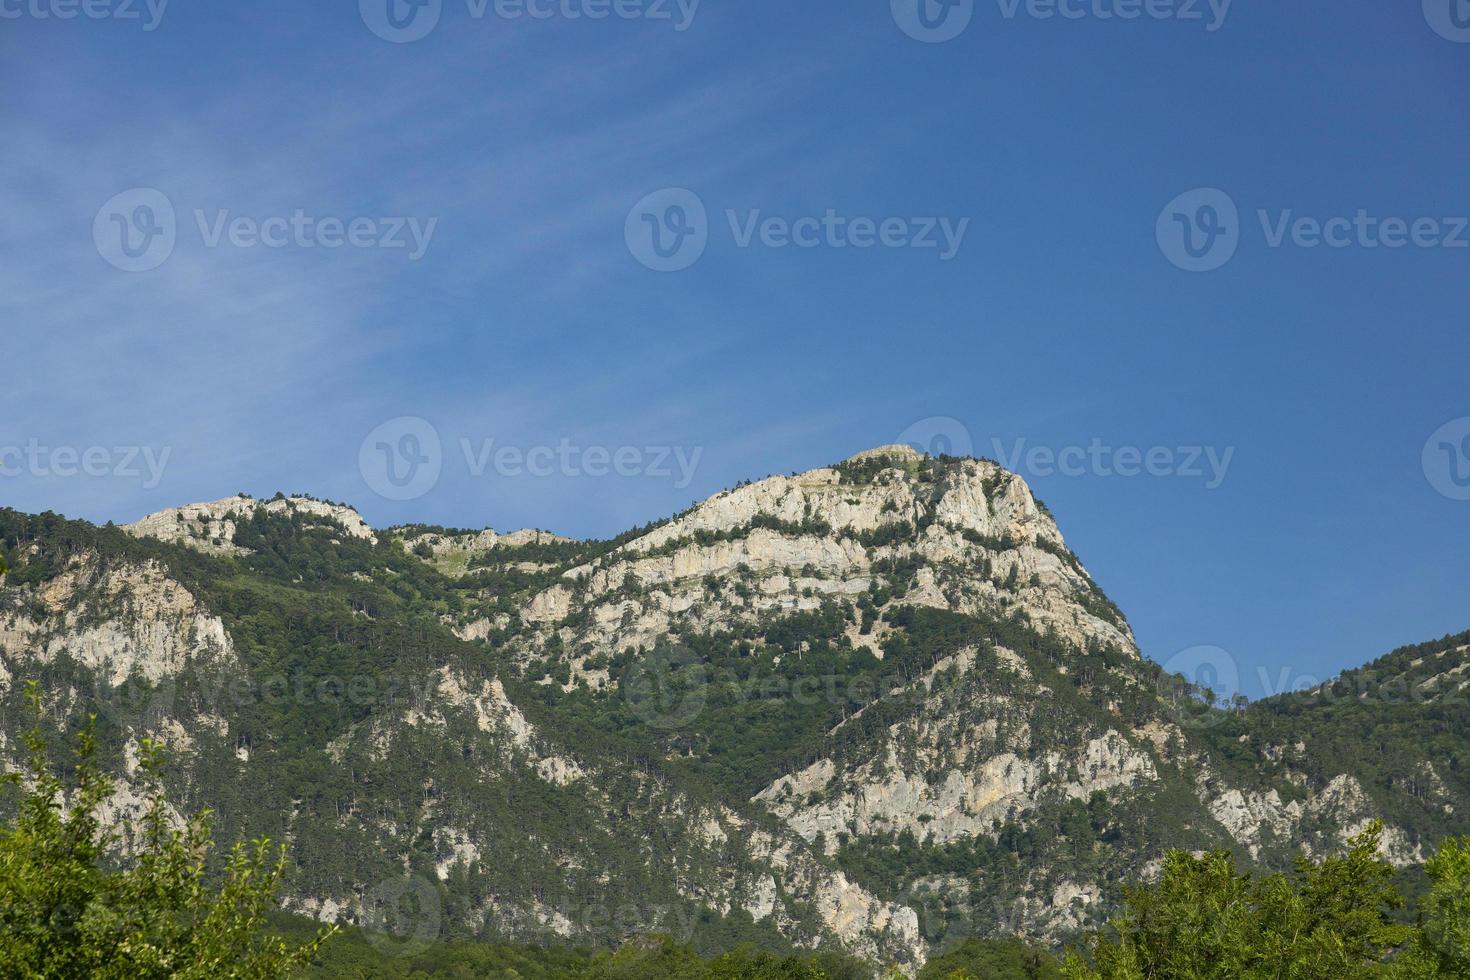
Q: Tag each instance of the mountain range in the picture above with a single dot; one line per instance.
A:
(879, 706)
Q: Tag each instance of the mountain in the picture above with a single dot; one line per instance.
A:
(878, 706)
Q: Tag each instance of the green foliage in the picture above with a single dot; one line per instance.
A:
(861, 472)
(1399, 725)
(895, 532)
(352, 954)
(1206, 919)
(65, 913)
(1441, 945)
(760, 699)
(650, 958)
(992, 959)
(309, 606)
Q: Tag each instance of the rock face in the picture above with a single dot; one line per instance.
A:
(885, 797)
(455, 552)
(119, 621)
(878, 703)
(211, 527)
(983, 542)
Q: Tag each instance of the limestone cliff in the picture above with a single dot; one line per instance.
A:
(879, 704)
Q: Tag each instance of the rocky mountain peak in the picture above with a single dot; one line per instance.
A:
(880, 488)
(897, 451)
(210, 527)
(961, 535)
(859, 705)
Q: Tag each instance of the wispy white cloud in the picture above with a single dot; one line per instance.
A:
(263, 368)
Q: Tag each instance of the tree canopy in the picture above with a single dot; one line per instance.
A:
(1206, 919)
(70, 908)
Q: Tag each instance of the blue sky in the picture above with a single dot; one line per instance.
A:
(1058, 144)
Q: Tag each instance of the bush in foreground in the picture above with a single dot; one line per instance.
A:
(67, 911)
(1206, 919)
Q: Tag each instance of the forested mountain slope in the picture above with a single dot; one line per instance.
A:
(878, 706)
